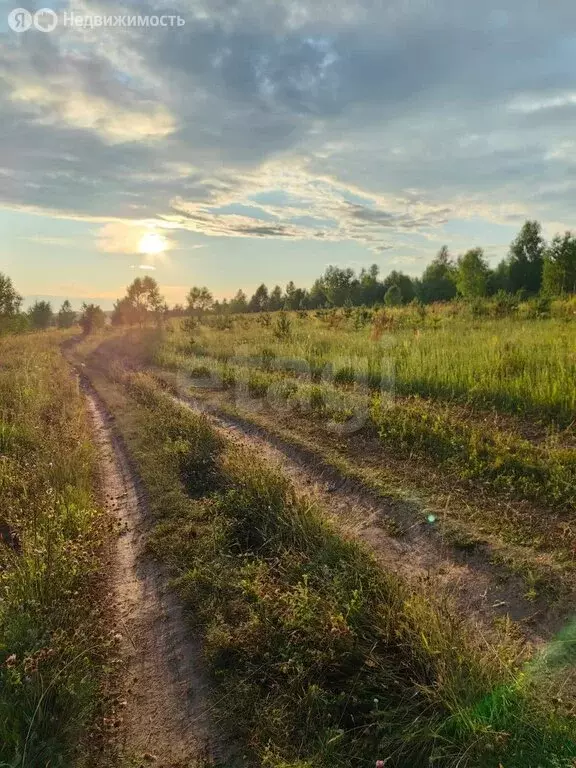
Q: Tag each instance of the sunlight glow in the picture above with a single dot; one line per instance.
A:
(152, 243)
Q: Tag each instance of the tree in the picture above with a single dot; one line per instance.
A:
(124, 312)
(41, 315)
(221, 307)
(526, 259)
(473, 274)
(10, 299)
(404, 283)
(92, 318)
(339, 285)
(559, 271)
(393, 297)
(317, 296)
(500, 278)
(239, 304)
(276, 300)
(66, 315)
(199, 300)
(142, 300)
(144, 295)
(439, 278)
(295, 297)
(370, 290)
(259, 301)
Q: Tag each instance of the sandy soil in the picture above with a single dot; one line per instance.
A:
(164, 712)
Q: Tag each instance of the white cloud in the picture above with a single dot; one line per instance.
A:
(346, 120)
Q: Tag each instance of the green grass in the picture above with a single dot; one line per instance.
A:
(319, 658)
(518, 365)
(412, 427)
(51, 646)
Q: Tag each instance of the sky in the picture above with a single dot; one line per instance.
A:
(263, 140)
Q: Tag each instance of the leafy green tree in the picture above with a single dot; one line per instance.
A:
(559, 271)
(276, 300)
(259, 301)
(10, 299)
(296, 298)
(221, 307)
(41, 315)
(124, 312)
(92, 318)
(404, 283)
(393, 297)
(317, 296)
(66, 315)
(144, 297)
(370, 290)
(239, 303)
(142, 300)
(526, 259)
(473, 274)
(439, 279)
(340, 285)
(199, 300)
(500, 278)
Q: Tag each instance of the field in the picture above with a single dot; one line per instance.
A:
(366, 520)
(473, 418)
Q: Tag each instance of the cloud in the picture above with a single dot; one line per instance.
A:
(61, 242)
(349, 121)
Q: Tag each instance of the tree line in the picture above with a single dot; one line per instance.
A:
(40, 316)
(532, 267)
(142, 301)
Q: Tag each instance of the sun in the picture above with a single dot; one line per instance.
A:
(152, 243)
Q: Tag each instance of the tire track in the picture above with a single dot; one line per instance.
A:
(480, 590)
(164, 713)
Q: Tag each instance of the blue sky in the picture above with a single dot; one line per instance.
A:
(265, 139)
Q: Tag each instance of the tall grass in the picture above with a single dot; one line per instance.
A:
(321, 659)
(50, 646)
(520, 366)
(410, 427)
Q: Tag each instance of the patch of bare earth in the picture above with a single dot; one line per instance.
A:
(164, 713)
(480, 589)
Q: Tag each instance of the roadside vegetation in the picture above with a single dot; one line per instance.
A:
(319, 658)
(52, 645)
(385, 387)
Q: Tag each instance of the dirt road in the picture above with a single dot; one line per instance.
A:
(163, 711)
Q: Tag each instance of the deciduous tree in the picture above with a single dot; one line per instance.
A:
(66, 315)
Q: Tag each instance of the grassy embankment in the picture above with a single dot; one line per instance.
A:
(320, 658)
(52, 648)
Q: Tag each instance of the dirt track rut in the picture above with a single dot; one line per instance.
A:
(480, 590)
(164, 711)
